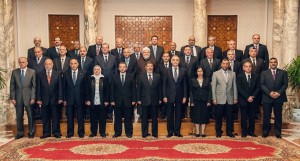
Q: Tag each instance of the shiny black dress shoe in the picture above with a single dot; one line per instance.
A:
(218, 135)
(197, 135)
(92, 135)
(69, 136)
(115, 136)
(278, 136)
(56, 136)
(252, 135)
(103, 135)
(203, 135)
(19, 136)
(81, 136)
(178, 135)
(44, 136)
(169, 135)
(31, 136)
(230, 135)
(129, 135)
(156, 136)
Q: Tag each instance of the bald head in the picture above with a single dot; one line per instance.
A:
(37, 41)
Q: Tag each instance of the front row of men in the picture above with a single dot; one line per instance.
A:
(77, 90)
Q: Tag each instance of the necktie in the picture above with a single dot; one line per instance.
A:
(253, 60)
(57, 50)
(187, 60)
(82, 63)
(231, 65)
(175, 75)
(137, 56)
(38, 60)
(274, 74)
(127, 62)
(154, 51)
(226, 76)
(166, 65)
(249, 80)
(122, 80)
(48, 77)
(256, 46)
(22, 76)
(76, 52)
(74, 77)
(98, 50)
(173, 53)
(150, 79)
(62, 63)
(120, 52)
(210, 63)
(105, 59)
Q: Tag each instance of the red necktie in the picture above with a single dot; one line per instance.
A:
(48, 77)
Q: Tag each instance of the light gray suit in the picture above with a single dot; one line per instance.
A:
(23, 93)
(224, 90)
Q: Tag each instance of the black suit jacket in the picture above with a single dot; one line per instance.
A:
(161, 69)
(74, 94)
(262, 53)
(92, 51)
(198, 50)
(126, 93)
(217, 53)
(51, 53)
(259, 65)
(279, 85)
(202, 93)
(239, 56)
(88, 65)
(38, 67)
(176, 53)
(31, 54)
(132, 66)
(245, 91)
(237, 67)
(117, 55)
(208, 72)
(109, 68)
(175, 90)
(191, 67)
(71, 54)
(57, 64)
(49, 94)
(159, 52)
(103, 89)
(149, 95)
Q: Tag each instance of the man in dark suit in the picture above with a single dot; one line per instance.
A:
(238, 53)
(62, 63)
(196, 50)
(248, 85)
(149, 97)
(262, 51)
(122, 98)
(130, 61)
(156, 50)
(224, 95)
(175, 94)
(74, 83)
(37, 64)
(257, 63)
(211, 44)
(37, 43)
(118, 51)
(141, 63)
(108, 64)
(49, 95)
(85, 62)
(162, 68)
(190, 63)
(74, 54)
(274, 82)
(53, 52)
(95, 50)
(137, 51)
(173, 50)
(209, 64)
(22, 94)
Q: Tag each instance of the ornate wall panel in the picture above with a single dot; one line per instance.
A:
(64, 26)
(139, 29)
(224, 28)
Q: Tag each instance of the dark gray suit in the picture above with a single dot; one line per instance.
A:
(159, 52)
(23, 93)
(261, 53)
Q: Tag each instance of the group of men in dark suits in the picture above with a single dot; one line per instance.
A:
(147, 79)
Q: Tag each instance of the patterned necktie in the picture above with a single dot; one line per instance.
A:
(122, 80)
(253, 60)
(210, 64)
(249, 80)
(82, 63)
(62, 63)
(105, 59)
(166, 65)
(175, 75)
(127, 62)
(137, 56)
(48, 77)
(38, 60)
(274, 74)
(187, 60)
(74, 77)
(154, 51)
(22, 76)
(150, 79)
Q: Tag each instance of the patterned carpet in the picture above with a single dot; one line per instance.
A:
(187, 148)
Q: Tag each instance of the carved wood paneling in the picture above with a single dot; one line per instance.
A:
(223, 27)
(140, 29)
(64, 26)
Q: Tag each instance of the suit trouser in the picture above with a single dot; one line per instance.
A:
(152, 110)
(248, 113)
(20, 121)
(267, 107)
(163, 109)
(36, 111)
(127, 113)
(70, 119)
(50, 112)
(98, 116)
(219, 113)
(174, 125)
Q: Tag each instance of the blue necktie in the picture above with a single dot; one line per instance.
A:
(175, 75)
(22, 76)
(74, 77)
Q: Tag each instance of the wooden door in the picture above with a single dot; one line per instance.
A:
(140, 29)
(223, 27)
(64, 26)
